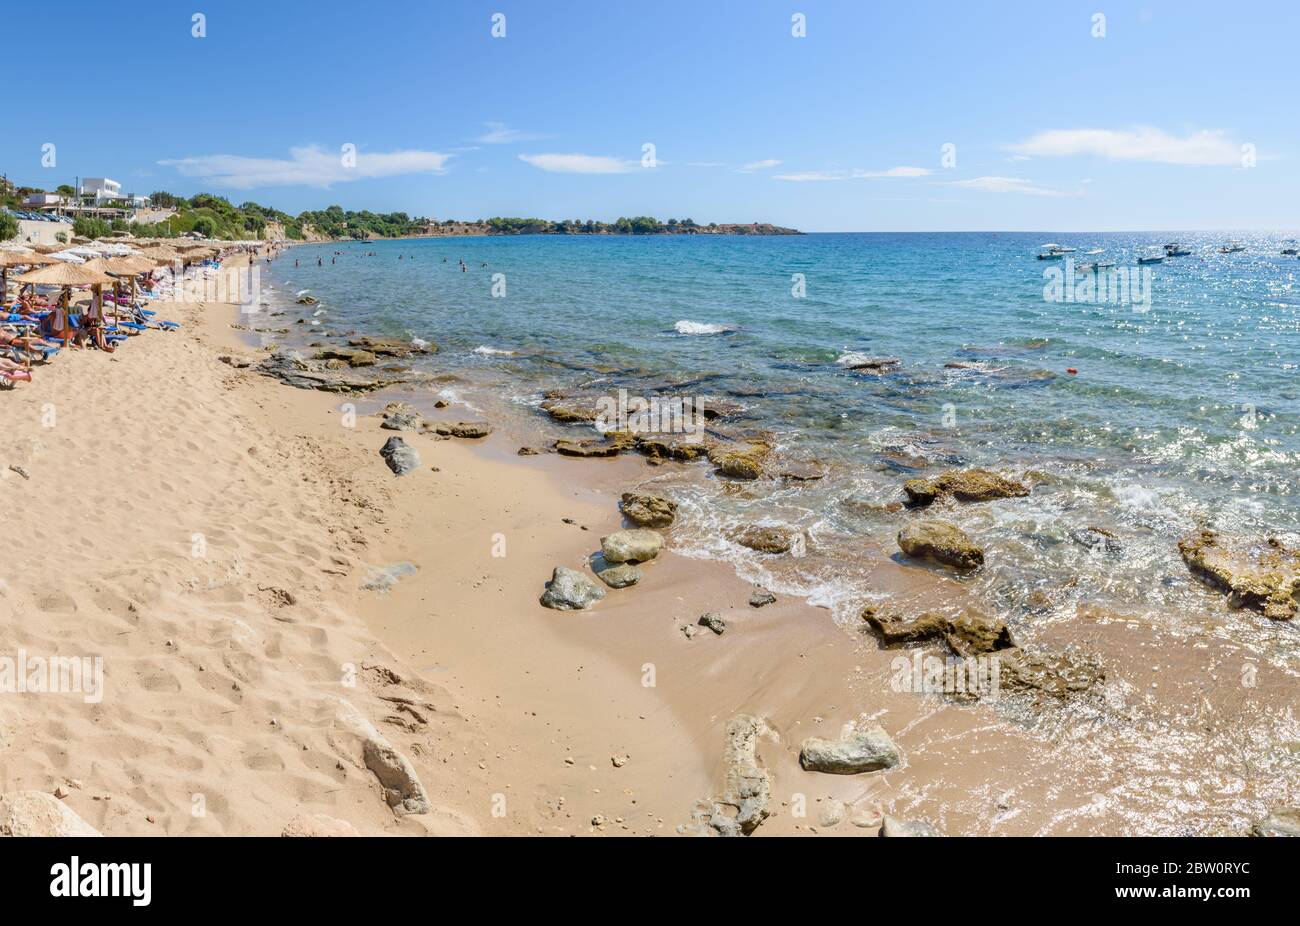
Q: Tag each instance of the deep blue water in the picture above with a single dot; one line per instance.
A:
(1182, 412)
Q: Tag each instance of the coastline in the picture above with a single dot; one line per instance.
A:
(502, 692)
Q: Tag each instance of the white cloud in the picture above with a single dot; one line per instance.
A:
(812, 176)
(578, 163)
(306, 166)
(759, 165)
(1206, 147)
(498, 133)
(1007, 185)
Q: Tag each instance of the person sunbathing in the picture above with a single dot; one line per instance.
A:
(28, 343)
(14, 371)
(92, 324)
(58, 324)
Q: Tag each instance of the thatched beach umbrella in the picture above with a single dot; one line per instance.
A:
(64, 274)
(124, 268)
(10, 259)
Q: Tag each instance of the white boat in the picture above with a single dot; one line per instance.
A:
(1232, 248)
(1053, 251)
(1174, 249)
(1151, 259)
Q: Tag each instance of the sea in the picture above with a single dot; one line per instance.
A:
(1161, 402)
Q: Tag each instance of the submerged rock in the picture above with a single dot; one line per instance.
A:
(570, 590)
(400, 456)
(740, 461)
(868, 750)
(766, 539)
(1057, 674)
(942, 542)
(968, 633)
(971, 485)
(892, 826)
(660, 447)
(1270, 586)
(352, 356)
(620, 576)
(648, 510)
(392, 347)
(631, 546)
(610, 446)
(1094, 537)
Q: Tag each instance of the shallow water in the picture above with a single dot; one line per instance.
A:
(1183, 410)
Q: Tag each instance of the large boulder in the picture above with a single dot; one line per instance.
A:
(648, 510)
(867, 750)
(400, 456)
(942, 542)
(570, 590)
(631, 546)
(971, 485)
(1270, 585)
(35, 813)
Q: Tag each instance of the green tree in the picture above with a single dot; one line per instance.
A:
(8, 226)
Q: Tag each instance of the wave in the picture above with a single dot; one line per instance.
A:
(689, 327)
(492, 352)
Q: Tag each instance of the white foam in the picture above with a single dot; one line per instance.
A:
(689, 327)
(853, 358)
(492, 351)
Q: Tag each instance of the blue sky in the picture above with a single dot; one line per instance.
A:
(844, 129)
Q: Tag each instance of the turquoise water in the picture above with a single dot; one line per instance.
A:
(1182, 412)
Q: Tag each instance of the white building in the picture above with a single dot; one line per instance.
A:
(43, 200)
(101, 188)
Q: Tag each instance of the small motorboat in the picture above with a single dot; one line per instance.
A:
(1151, 259)
(1174, 249)
(1232, 248)
(1289, 252)
(1052, 251)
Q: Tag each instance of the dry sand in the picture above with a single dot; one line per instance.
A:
(207, 532)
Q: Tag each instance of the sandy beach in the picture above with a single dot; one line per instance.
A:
(210, 535)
